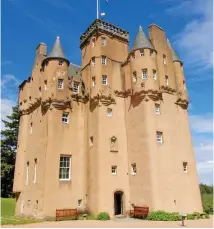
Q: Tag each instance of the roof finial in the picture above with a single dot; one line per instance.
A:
(57, 37)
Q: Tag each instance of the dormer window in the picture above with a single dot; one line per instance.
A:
(93, 61)
(104, 60)
(61, 62)
(134, 77)
(103, 41)
(144, 74)
(60, 84)
(76, 87)
(142, 52)
(93, 42)
(164, 59)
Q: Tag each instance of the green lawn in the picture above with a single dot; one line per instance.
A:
(8, 213)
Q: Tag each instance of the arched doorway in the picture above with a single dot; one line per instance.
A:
(118, 203)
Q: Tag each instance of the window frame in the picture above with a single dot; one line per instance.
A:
(27, 173)
(166, 80)
(35, 171)
(45, 85)
(103, 41)
(109, 114)
(76, 87)
(134, 76)
(133, 165)
(106, 80)
(104, 60)
(63, 167)
(58, 84)
(164, 59)
(157, 109)
(159, 136)
(185, 167)
(114, 167)
(65, 118)
(93, 41)
(142, 52)
(144, 71)
(61, 62)
(154, 74)
(93, 79)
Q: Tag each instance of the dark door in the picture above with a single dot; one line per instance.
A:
(118, 203)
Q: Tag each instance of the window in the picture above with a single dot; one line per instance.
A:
(30, 98)
(157, 108)
(93, 61)
(45, 87)
(144, 74)
(114, 170)
(65, 117)
(134, 78)
(91, 141)
(142, 52)
(79, 203)
(35, 168)
(167, 80)
(76, 87)
(93, 41)
(104, 80)
(109, 112)
(164, 59)
(154, 74)
(159, 137)
(184, 84)
(46, 63)
(151, 52)
(93, 81)
(61, 62)
(185, 168)
(31, 128)
(65, 167)
(134, 169)
(103, 59)
(27, 173)
(113, 144)
(40, 91)
(103, 41)
(60, 84)
(133, 56)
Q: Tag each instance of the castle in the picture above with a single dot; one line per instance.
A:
(107, 135)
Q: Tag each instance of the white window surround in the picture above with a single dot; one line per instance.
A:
(27, 174)
(159, 136)
(134, 169)
(109, 112)
(144, 74)
(185, 167)
(65, 116)
(157, 108)
(104, 60)
(35, 171)
(104, 80)
(65, 168)
(114, 170)
(76, 87)
(154, 74)
(60, 83)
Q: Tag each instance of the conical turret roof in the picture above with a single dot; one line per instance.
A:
(141, 41)
(174, 54)
(57, 51)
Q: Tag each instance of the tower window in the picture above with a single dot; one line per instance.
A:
(79, 203)
(91, 141)
(104, 60)
(61, 62)
(40, 91)
(60, 84)
(157, 108)
(134, 77)
(142, 52)
(35, 171)
(185, 167)
(144, 74)
(109, 112)
(65, 168)
(76, 87)
(65, 117)
(159, 137)
(164, 59)
(184, 84)
(93, 61)
(93, 81)
(114, 170)
(27, 173)
(134, 169)
(45, 85)
(93, 41)
(154, 74)
(104, 80)
(31, 128)
(167, 80)
(103, 41)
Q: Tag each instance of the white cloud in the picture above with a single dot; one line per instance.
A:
(9, 80)
(205, 172)
(201, 124)
(7, 62)
(6, 109)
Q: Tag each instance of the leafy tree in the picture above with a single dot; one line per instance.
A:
(9, 138)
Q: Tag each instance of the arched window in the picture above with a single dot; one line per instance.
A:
(114, 144)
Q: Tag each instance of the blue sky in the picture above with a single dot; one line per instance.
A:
(187, 23)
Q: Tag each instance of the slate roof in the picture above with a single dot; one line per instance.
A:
(141, 41)
(174, 54)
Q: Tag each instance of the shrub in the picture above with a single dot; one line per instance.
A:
(206, 216)
(190, 216)
(196, 215)
(207, 200)
(164, 216)
(103, 216)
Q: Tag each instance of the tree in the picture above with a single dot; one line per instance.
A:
(9, 138)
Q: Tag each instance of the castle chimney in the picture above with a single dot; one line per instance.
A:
(41, 49)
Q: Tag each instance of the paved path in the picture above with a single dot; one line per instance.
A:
(119, 223)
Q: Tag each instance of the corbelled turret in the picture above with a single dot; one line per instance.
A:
(141, 41)
(174, 54)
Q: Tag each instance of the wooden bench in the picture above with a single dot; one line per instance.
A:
(60, 213)
(139, 211)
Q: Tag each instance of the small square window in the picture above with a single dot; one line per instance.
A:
(93, 81)
(61, 62)
(45, 85)
(79, 203)
(167, 80)
(104, 60)
(159, 137)
(114, 170)
(76, 87)
(65, 117)
(91, 141)
(103, 41)
(60, 84)
(185, 167)
(157, 108)
(65, 168)
(154, 74)
(104, 80)
(134, 169)
(144, 74)
(93, 61)
(109, 112)
(164, 59)
(134, 77)
(142, 53)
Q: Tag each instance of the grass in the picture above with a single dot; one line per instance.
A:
(8, 213)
